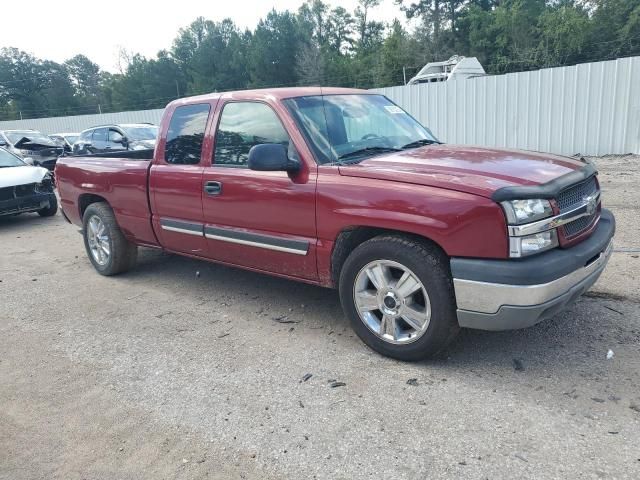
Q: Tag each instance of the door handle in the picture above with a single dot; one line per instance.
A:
(213, 188)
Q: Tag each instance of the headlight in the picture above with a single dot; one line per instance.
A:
(525, 211)
(530, 244)
(46, 185)
(522, 212)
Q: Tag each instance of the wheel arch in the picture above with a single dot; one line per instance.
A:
(86, 199)
(349, 238)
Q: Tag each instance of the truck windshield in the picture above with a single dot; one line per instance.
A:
(349, 128)
(9, 160)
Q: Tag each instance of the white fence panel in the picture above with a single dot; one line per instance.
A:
(78, 123)
(591, 108)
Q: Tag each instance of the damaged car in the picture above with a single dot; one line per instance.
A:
(34, 147)
(25, 188)
(65, 140)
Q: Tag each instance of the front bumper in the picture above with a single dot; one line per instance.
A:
(512, 294)
(31, 203)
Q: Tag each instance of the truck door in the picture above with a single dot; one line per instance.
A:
(175, 180)
(260, 220)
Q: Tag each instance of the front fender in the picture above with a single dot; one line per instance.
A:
(462, 224)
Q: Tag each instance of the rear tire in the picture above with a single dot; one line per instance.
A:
(107, 248)
(52, 209)
(398, 295)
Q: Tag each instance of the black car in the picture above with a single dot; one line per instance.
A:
(34, 147)
(116, 138)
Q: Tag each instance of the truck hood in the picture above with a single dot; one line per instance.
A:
(22, 175)
(475, 170)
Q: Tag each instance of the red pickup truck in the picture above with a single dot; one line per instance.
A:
(342, 188)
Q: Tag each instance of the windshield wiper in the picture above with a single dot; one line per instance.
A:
(419, 143)
(366, 150)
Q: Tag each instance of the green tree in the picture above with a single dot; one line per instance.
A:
(22, 78)
(398, 52)
(212, 55)
(32, 87)
(273, 49)
(321, 45)
(369, 32)
(85, 76)
(565, 30)
(616, 28)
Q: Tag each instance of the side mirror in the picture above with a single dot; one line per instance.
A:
(271, 157)
(3, 143)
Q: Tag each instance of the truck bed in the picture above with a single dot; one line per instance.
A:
(122, 181)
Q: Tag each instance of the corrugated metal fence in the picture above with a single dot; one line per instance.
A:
(591, 108)
(78, 123)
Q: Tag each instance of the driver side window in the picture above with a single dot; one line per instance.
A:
(243, 125)
(115, 138)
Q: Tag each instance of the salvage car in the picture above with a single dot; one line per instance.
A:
(65, 140)
(32, 146)
(116, 138)
(342, 188)
(25, 188)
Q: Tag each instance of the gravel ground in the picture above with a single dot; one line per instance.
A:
(162, 373)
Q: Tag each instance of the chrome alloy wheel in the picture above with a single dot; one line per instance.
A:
(98, 239)
(392, 302)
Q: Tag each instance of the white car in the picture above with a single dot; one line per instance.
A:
(25, 188)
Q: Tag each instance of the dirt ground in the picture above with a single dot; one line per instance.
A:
(165, 374)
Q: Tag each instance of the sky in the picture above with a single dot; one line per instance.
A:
(58, 30)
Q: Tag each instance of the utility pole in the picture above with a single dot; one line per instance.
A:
(177, 89)
(404, 74)
(99, 109)
(20, 115)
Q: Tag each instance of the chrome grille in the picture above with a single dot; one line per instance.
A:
(19, 191)
(25, 190)
(7, 193)
(577, 226)
(573, 197)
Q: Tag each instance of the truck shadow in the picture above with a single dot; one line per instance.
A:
(579, 337)
(588, 328)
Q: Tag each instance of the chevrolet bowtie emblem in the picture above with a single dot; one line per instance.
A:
(591, 204)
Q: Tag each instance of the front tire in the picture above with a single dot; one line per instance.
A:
(52, 209)
(398, 295)
(107, 248)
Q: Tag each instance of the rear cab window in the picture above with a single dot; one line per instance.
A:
(185, 135)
